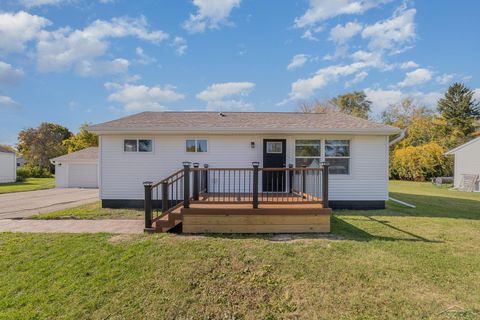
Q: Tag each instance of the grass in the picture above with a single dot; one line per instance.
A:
(29, 184)
(91, 211)
(398, 263)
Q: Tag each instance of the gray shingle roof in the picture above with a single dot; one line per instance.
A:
(85, 154)
(241, 121)
(5, 150)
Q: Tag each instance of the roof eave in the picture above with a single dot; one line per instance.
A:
(119, 130)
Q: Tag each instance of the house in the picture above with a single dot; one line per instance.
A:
(151, 147)
(20, 161)
(8, 170)
(77, 169)
(467, 164)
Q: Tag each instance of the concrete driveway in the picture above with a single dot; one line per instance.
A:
(25, 204)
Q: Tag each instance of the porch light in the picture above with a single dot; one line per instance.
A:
(252, 144)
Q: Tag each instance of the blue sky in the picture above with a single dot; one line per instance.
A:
(76, 61)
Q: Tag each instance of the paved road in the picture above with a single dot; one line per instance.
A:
(25, 204)
(72, 226)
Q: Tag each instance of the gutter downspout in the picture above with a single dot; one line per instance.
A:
(399, 138)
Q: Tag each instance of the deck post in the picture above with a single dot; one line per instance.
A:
(290, 178)
(196, 180)
(186, 184)
(165, 196)
(304, 180)
(148, 204)
(325, 185)
(205, 177)
(255, 185)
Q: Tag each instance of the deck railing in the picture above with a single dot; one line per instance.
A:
(253, 185)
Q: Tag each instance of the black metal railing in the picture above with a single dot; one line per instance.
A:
(253, 185)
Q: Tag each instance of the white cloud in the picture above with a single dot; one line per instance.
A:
(381, 99)
(476, 94)
(88, 68)
(298, 60)
(144, 58)
(445, 78)
(136, 98)
(180, 45)
(218, 91)
(8, 102)
(416, 77)
(393, 32)
(210, 14)
(225, 96)
(61, 49)
(9, 75)
(16, 29)
(359, 77)
(320, 10)
(409, 65)
(341, 34)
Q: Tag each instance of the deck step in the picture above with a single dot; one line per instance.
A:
(169, 221)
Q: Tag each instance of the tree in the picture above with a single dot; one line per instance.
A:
(459, 108)
(404, 113)
(355, 104)
(316, 106)
(81, 140)
(39, 145)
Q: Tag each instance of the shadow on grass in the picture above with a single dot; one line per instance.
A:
(426, 206)
(351, 232)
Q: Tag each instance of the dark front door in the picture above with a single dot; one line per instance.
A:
(274, 156)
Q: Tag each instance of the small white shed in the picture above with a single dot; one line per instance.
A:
(78, 169)
(467, 162)
(8, 166)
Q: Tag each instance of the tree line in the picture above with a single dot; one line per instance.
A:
(429, 133)
(49, 140)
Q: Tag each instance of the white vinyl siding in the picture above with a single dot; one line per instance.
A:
(122, 174)
(8, 167)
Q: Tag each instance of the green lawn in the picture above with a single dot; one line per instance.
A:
(398, 263)
(29, 184)
(91, 211)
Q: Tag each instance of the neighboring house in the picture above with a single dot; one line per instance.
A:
(8, 169)
(77, 169)
(150, 146)
(467, 162)
(20, 161)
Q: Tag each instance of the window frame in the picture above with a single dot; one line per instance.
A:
(196, 145)
(323, 158)
(138, 146)
(269, 143)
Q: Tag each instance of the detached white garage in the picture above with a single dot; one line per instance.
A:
(467, 166)
(8, 166)
(77, 170)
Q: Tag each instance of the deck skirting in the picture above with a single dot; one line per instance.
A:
(283, 219)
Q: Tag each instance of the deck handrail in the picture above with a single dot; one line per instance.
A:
(288, 185)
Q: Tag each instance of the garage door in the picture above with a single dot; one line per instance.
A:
(82, 176)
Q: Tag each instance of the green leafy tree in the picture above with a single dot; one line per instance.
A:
(354, 103)
(39, 145)
(81, 140)
(404, 113)
(459, 108)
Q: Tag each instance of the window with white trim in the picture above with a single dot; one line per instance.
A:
(308, 153)
(274, 147)
(138, 145)
(337, 155)
(196, 145)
